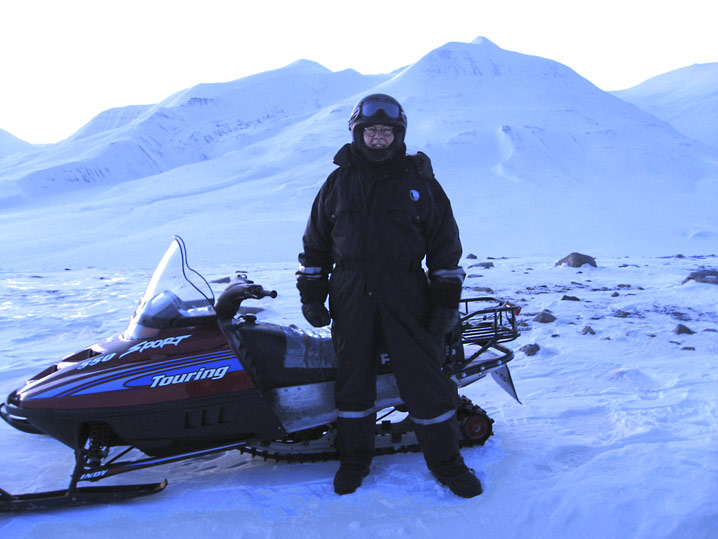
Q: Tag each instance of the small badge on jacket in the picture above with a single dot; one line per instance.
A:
(414, 195)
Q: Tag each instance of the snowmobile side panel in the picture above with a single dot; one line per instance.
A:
(170, 368)
(311, 405)
(172, 427)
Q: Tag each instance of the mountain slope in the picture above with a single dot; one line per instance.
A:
(10, 144)
(687, 98)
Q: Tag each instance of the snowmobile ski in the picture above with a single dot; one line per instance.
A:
(58, 499)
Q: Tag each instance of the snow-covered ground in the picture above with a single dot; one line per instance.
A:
(617, 435)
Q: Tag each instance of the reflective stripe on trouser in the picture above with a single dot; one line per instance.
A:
(366, 413)
(434, 420)
(439, 443)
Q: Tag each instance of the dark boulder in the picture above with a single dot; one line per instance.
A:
(683, 330)
(576, 260)
(544, 318)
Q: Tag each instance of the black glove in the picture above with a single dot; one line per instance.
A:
(445, 295)
(316, 314)
(442, 320)
(313, 287)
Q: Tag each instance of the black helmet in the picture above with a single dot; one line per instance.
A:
(378, 109)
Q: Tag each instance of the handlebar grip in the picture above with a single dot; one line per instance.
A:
(260, 292)
(228, 302)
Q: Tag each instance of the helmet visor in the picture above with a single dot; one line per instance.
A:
(370, 108)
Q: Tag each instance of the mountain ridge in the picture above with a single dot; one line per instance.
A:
(535, 159)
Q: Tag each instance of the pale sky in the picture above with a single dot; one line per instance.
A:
(64, 61)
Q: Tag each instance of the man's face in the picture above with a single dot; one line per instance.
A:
(378, 136)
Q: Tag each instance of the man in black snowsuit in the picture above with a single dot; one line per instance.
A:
(374, 220)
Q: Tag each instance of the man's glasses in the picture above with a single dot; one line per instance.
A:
(382, 131)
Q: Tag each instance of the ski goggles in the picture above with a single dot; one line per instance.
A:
(370, 108)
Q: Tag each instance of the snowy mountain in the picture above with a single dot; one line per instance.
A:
(536, 159)
(686, 98)
(10, 144)
(193, 125)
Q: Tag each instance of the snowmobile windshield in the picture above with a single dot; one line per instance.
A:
(175, 295)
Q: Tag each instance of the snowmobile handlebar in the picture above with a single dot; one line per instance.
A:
(237, 291)
(266, 294)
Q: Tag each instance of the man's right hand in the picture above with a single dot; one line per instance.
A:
(316, 314)
(443, 320)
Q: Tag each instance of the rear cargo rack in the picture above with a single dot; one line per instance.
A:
(486, 322)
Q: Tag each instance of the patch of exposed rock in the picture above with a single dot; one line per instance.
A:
(485, 265)
(530, 349)
(703, 276)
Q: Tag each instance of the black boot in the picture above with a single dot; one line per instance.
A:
(461, 481)
(355, 445)
(440, 445)
(349, 478)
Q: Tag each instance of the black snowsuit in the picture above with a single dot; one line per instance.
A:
(370, 228)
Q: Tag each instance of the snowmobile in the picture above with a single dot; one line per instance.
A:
(191, 376)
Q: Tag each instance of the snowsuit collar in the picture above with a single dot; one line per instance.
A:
(343, 157)
(349, 156)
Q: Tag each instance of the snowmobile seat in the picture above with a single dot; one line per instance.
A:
(283, 356)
